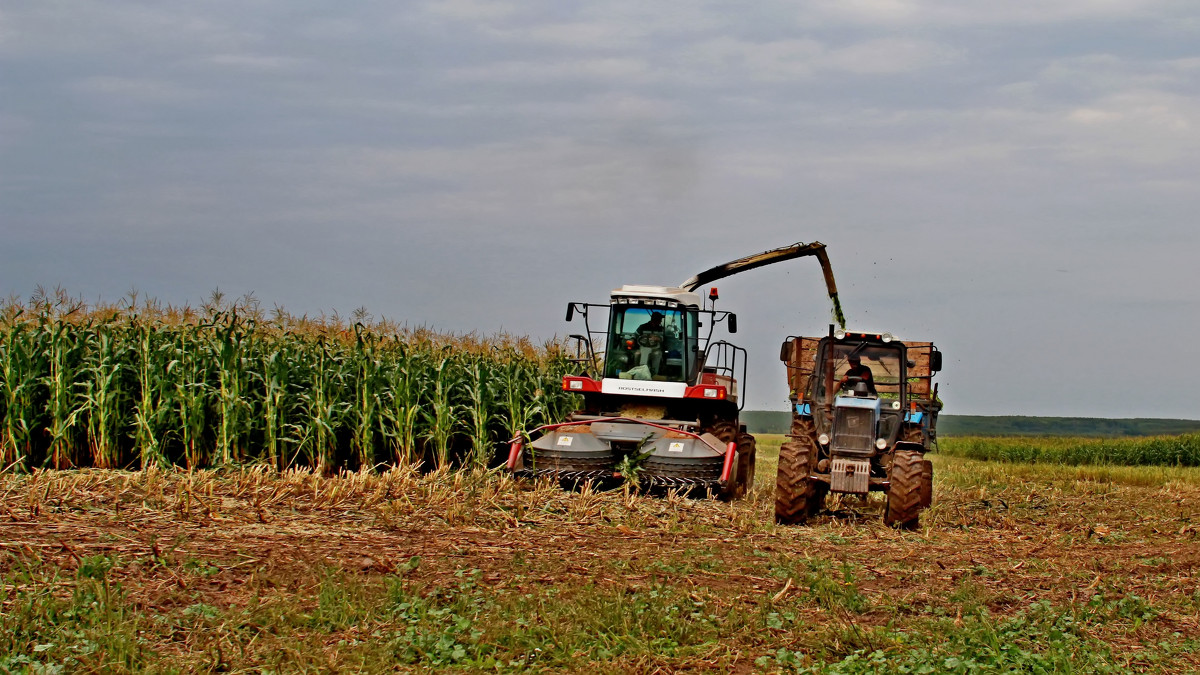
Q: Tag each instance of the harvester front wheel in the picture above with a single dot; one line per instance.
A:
(904, 492)
(796, 496)
(746, 448)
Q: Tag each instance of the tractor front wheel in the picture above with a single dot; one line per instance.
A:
(797, 496)
(904, 492)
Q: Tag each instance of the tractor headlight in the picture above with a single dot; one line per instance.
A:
(823, 439)
(887, 337)
(575, 384)
(839, 334)
(881, 443)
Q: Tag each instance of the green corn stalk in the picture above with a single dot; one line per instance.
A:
(518, 378)
(226, 344)
(405, 379)
(104, 396)
(480, 410)
(21, 365)
(366, 415)
(64, 346)
(276, 373)
(554, 404)
(151, 413)
(188, 375)
(322, 410)
(441, 417)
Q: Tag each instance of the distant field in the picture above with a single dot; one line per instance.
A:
(978, 425)
(777, 422)
(1016, 568)
(1157, 451)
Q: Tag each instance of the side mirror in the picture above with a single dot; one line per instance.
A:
(785, 351)
(733, 323)
(570, 311)
(935, 361)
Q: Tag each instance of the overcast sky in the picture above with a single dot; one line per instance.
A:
(1016, 181)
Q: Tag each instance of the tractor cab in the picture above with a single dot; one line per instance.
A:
(864, 411)
(864, 387)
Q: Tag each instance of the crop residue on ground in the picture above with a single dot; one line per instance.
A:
(1052, 567)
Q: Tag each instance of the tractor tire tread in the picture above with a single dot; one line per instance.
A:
(904, 492)
(797, 496)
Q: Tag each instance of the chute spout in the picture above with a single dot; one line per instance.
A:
(797, 250)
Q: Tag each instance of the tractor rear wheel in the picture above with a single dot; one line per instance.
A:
(926, 483)
(904, 492)
(747, 448)
(797, 496)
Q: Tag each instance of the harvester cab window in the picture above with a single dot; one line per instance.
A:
(649, 343)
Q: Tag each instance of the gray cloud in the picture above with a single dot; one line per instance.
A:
(1014, 181)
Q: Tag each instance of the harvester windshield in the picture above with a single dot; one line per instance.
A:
(647, 342)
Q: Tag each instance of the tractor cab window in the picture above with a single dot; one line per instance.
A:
(650, 343)
(873, 370)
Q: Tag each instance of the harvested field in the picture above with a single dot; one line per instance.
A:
(1088, 569)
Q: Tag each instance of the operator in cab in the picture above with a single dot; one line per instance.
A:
(859, 371)
(650, 342)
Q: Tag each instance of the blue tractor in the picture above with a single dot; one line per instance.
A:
(864, 412)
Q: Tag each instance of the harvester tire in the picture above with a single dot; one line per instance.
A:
(796, 495)
(747, 448)
(926, 483)
(726, 430)
(904, 492)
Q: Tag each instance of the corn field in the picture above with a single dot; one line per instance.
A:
(138, 385)
(1182, 450)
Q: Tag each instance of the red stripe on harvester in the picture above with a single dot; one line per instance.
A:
(514, 453)
(728, 461)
